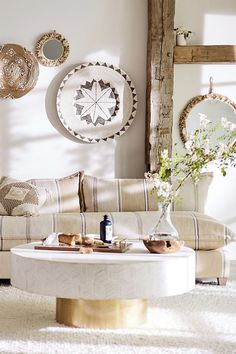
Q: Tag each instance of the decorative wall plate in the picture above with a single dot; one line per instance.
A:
(96, 101)
(18, 71)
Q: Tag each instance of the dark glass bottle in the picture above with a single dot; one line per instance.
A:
(106, 229)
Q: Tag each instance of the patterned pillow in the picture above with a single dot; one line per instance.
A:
(62, 194)
(20, 198)
(103, 194)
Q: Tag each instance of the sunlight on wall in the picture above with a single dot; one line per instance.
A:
(104, 56)
(219, 29)
(212, 25)
(224, 82)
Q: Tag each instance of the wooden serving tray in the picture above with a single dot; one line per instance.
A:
(108, 249)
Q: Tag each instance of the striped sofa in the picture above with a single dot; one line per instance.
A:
(78, 202)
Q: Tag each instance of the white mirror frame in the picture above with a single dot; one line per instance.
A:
(43, 60)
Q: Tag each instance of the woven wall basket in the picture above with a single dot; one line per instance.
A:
(18, 71)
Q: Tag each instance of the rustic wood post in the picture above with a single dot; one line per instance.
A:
(159, 104)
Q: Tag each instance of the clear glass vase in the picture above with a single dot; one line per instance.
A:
(164, 229)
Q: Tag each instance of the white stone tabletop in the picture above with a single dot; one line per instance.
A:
(130, 275)
(137, 252)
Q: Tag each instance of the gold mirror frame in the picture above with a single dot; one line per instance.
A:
(192, 103)
(43, 60)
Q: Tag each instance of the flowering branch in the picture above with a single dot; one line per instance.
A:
(203, 147)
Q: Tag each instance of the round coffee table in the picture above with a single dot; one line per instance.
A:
(102, 290)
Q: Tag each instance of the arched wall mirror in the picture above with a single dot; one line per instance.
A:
(52, 49)
(213, 105)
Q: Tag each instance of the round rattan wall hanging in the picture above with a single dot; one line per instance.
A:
(18, 71)
(52, 49)
(96, 101)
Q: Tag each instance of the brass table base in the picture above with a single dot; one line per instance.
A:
(101, 313)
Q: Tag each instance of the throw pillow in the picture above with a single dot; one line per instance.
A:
(19, 198)
(103, 194)
(200, 231)
(62, 196)
(193, 197)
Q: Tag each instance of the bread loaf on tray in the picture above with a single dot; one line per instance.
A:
(68, 239)
(75, 239)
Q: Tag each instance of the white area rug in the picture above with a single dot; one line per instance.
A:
(202, 321)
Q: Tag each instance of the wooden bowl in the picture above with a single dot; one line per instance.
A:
(161, 246)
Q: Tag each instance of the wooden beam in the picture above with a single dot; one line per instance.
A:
(200, 54)
(159, 105)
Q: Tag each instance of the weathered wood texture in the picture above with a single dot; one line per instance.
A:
(159, 108)
(200, 54)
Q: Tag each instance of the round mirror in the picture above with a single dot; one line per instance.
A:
(213, 105)
(52, 49)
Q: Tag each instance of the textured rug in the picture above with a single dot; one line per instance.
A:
(202, 321)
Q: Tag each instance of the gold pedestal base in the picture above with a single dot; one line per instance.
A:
(101, 313)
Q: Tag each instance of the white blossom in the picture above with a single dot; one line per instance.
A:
(222, 148)
(188, 145)
(194, 157)
(207, 146)
(224, 122)
(156, 182)
(227, 124)
(203, 120)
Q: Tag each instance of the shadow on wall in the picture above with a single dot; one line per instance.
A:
(95, 159)
(90, 157)
(50, 103)
(21, 134)
(4, 135)
(122, 156)
(130, 147)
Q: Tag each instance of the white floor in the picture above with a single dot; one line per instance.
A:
(202, 321)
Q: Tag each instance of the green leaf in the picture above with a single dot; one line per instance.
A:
(222, 170)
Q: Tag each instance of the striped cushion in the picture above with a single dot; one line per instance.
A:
(101, 194)
(199, 231)
(62, 194)
(194, 196)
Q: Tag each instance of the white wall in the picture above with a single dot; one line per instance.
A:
(213, 22)
(33, 143)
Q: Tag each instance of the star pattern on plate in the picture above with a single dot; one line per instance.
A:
(125, 110)
(96, 102)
